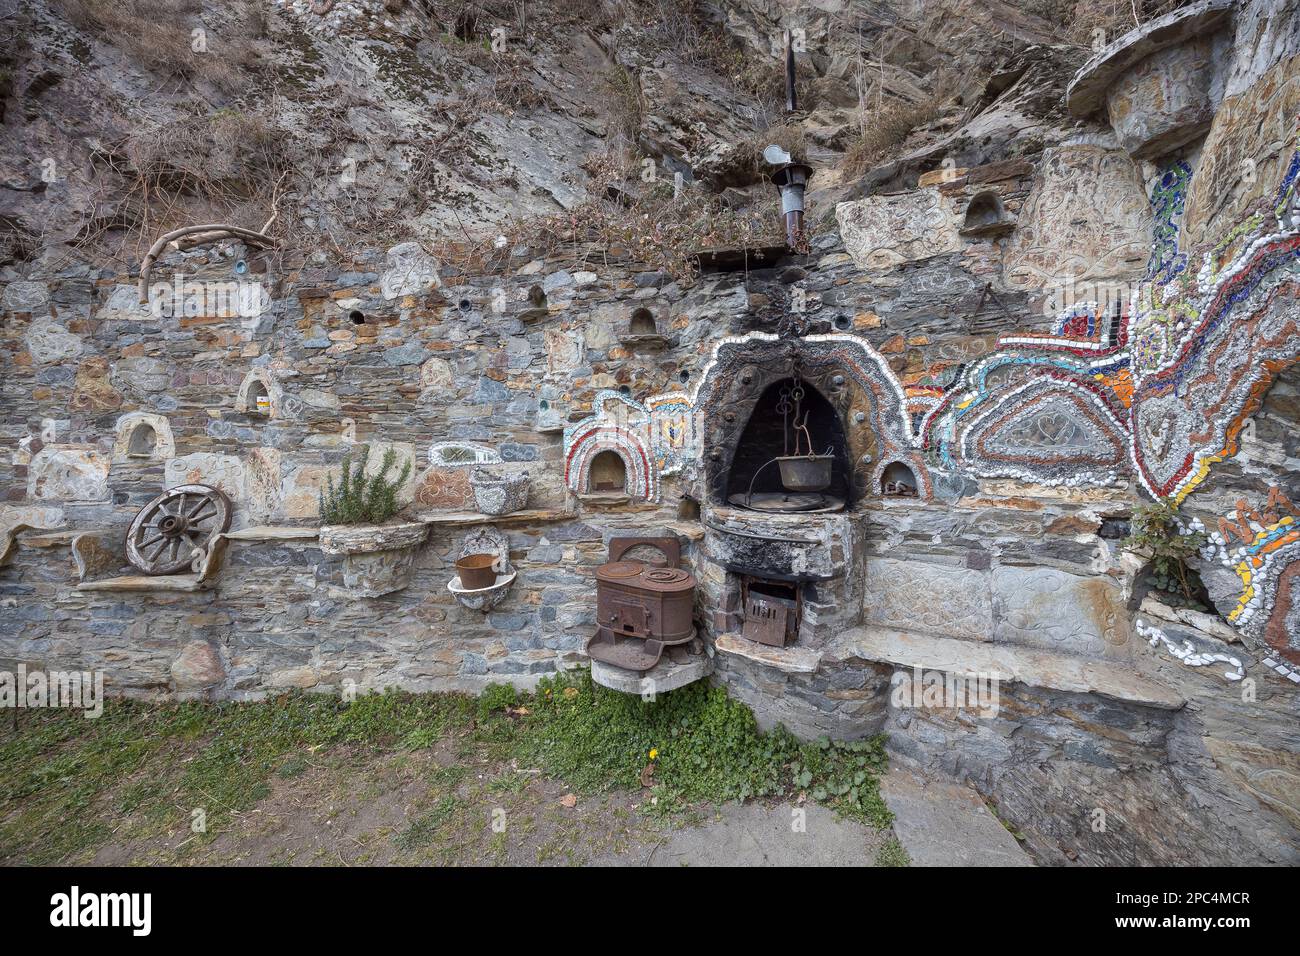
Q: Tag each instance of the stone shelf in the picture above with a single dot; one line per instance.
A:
(1087, 91)
(273, 533)
(660, 679)
(460, 519)
(789, 660)
(1014, 664)
(147, 582)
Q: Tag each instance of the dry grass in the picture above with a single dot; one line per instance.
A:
(887, 128)
(626, 104)
(157, 35)
(1079, 21)
(660, 230)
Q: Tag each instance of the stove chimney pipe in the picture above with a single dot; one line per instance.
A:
(790, 179)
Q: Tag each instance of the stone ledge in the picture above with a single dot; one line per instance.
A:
(466, 518)
(273, 533)
(1035, 668)
(146, 582)
(789, 660)
(1087, 91)
(660, 679)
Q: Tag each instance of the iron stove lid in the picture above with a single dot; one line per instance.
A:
(666, 579)
(619, 570)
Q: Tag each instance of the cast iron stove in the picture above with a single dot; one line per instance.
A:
(642, 609)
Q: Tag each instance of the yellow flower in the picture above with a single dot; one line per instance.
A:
(654, 752)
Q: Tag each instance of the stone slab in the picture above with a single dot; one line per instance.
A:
(465, 518)
(1036, 668)
(790, 660)
(946, 824)
(660, 679)
(145, 582)
(273, 533)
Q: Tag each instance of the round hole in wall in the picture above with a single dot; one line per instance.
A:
(624, 390)
(357, 316)
(465, 305)
(841, 322)
(241, 267)
(684, 376)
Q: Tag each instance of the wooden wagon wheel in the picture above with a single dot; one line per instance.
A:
(168, 530)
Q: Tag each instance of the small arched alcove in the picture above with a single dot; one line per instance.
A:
(608, 473)
(259, 395)
(770, 434)
(986, 216)
(642, 322)
(643, 329)
(143, 436)
(259, 400)
(898, 481)
(142, 442)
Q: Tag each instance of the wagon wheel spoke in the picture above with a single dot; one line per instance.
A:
(145, 544)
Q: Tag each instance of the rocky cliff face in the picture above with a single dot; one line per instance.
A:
(366, 123)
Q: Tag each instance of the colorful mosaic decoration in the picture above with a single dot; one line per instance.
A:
(672, 430)
(1263, 550)
(619, 425)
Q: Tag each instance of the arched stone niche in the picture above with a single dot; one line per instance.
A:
(986, 216)
(260, 395)
(143, 436)
(850, 375)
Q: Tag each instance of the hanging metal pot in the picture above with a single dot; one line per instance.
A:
(805, 472)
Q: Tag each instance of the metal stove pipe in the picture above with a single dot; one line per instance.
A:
(791, 179)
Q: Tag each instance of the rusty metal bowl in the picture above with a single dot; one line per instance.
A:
(805, 472)
(477, 571)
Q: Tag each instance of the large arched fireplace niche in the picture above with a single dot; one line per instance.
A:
(790, 419)
(854, 409)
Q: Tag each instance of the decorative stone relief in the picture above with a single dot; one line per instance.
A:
(565, 351)
(1087, 216)
(226, 473)
(882, 231)
(68, 473)
(411, 271)
(49, 342)
(1044, 607)
(1252, 131)
(933, 598)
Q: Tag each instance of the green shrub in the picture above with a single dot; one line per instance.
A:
(1157, 533)
(358, 499)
